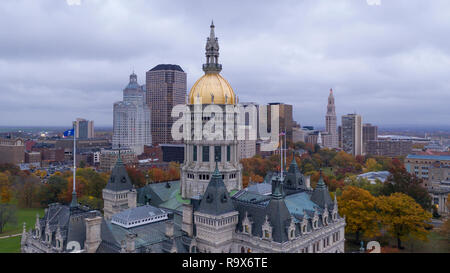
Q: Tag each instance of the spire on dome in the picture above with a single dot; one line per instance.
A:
(212, 53)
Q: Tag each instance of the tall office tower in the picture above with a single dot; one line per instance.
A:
(132, 119)
(166, 88)
(286, 120)
(247, 147)
(370, 132)
(330, 124)
(352, 141)
(200, 156)
(84, 128)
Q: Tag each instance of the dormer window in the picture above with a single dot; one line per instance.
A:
(334, 216)
(247, 224)
(267, 229)
(325, 220)
(291, 230)
(315, 224)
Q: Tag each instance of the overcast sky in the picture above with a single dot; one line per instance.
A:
(388, 62)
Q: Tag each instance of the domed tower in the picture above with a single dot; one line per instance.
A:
(201, 153)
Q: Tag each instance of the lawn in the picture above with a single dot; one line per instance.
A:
(436, 243)
(10, 245)
(23, 215)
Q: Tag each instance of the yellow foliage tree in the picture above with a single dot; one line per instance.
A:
(358, 206)
(372, 165)
(403, 217)
(5, 189)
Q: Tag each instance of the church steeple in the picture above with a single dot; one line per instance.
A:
(212, 53)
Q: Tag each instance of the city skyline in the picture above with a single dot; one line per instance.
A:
(379, 65)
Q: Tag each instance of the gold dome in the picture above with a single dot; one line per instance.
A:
(209, 86)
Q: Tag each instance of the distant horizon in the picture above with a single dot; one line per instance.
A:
(383, 126)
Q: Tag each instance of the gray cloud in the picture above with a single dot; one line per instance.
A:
(390, 63)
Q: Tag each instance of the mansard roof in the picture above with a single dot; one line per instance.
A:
(119, 179)
(216, 199)
(321, 195)
(69, 221)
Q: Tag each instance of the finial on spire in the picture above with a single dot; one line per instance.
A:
(212, 53)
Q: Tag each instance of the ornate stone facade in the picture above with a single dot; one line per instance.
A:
(200, 154)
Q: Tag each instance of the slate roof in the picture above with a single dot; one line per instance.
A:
(70, 222)
(260, 188)
(257, 207)
(279, 216)
(165, 195)
(320, 195)
(216, 199)
(149, 237)
(119, 179)
(294, 178)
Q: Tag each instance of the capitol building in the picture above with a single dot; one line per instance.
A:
(207, 210)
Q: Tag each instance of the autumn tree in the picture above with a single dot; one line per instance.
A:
(80, 188)
(372, 165)
(402, 181)
(403, 217)
(358, 206)
(51, 191)
(136, 176)
(11, 168)
(174, 171)
(27, 188)
(5, 189)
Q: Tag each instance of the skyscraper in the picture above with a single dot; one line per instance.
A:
(330, 124)
(84, 128)
(200, 156)
(370, 133)
(165, 88)
(132, 119)
(286, 121)
(352, 141)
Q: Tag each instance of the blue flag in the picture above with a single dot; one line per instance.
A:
(69, 132)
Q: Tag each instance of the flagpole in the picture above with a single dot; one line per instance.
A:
(281, 158)
(74, 193)
(285, 150)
